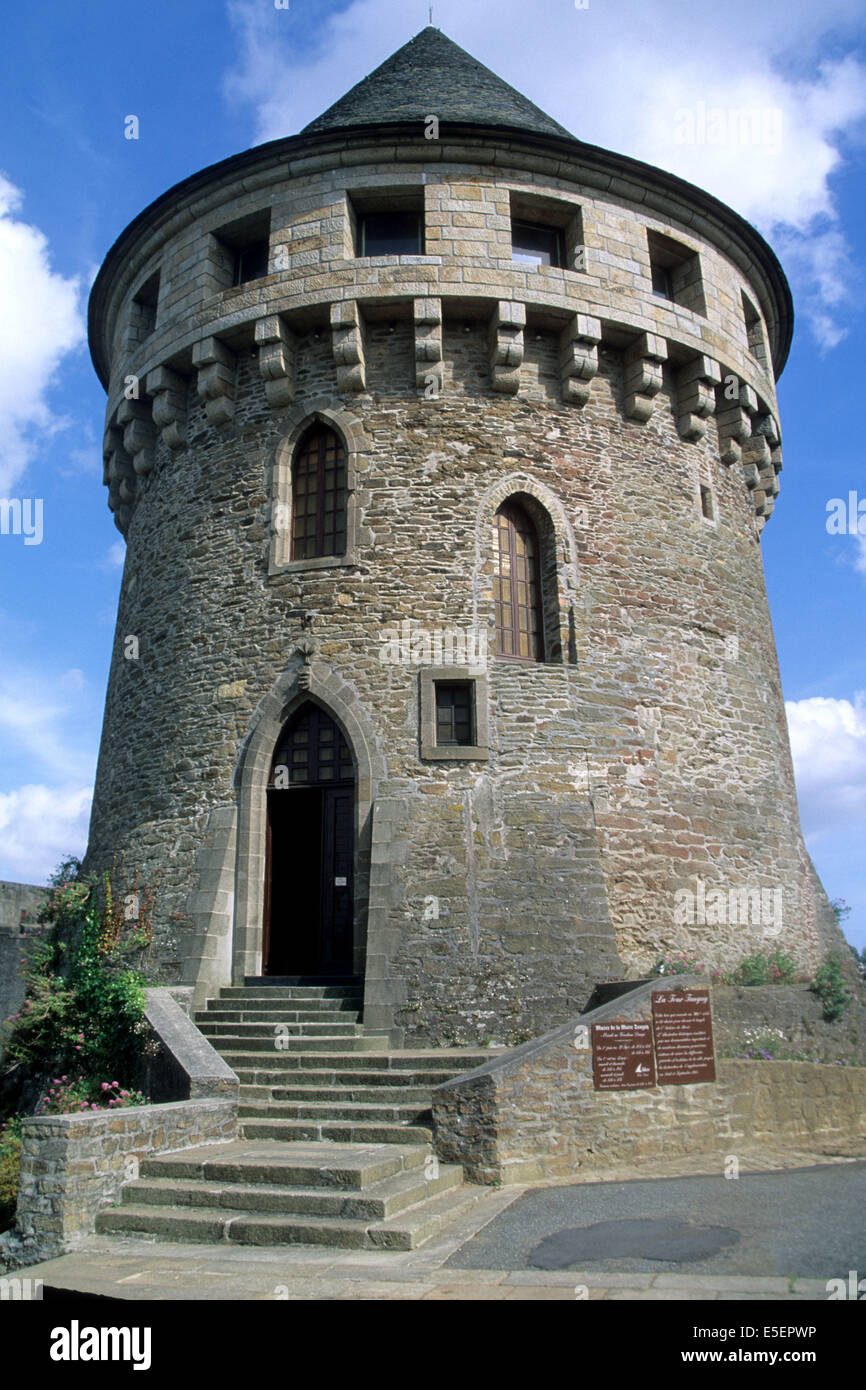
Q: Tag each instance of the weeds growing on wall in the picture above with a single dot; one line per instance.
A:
(84, 1001)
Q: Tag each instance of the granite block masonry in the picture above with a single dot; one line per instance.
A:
(478, 377)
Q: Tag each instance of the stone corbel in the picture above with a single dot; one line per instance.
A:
(347, 341)
(276, 343)
(696, 396)
(216, 365)
(139, 436)
(643, 359)
(506, 346)
(169, 390)
(428, 345)
(119, 475)
(761, 461)
(578, 357)
(306, 650)
(734, 417)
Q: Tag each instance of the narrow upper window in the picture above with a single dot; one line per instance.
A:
(454, 714)
(536, 244)
(517, 585)
(395, 233)
(676, 273)
(754, 330)
(143, 316)
(319, 496)
(250, 262)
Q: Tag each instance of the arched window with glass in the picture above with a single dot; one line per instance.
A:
(517, 585)
(319, 495)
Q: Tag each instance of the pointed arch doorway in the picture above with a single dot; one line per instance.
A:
(310, 850)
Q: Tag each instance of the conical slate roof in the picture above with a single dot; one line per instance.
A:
(431, 75)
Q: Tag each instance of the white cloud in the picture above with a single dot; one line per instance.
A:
(828, 744)
(616, 76)
(40, 321)
(39, 714)
(39, 826)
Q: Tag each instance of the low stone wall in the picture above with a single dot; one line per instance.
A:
(72, 1165)
(533, 1113)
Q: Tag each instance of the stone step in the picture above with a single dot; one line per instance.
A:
(403, 1231)
(331, 1045)
(284, 1008)
(313, 1078)
(317, 1164)
(296, 1018)
(327, 1110)
(340, 1095)
(372, 1203)
(339, 1058)
(299, 993)
(336, 1027)
(337, 1131)
(303, 981)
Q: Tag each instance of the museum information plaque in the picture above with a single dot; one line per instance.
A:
(683, 1029)
(622, 1056)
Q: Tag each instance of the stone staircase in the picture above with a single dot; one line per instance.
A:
(334, 1125)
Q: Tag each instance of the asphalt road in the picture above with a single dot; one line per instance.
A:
(806, 1222)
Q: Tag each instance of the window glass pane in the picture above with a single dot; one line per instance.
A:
(391, 234)
(536, 245)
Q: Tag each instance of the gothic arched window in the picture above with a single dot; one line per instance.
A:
(517, 585)
(319, 495)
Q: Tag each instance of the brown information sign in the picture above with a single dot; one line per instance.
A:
(683, 1029)
(622, 1056)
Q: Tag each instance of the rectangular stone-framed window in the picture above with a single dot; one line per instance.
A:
(754, 330)
(142, 315)
(239, 251)
(675, 272)
(546, 232)
(386, 222)
(454, 714)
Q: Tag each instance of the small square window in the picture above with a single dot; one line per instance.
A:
(143, 315)
(455, 716)
(675, 271)
(394, 233)
(535, 244)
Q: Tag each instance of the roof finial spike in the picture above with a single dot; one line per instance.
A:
(431, 14)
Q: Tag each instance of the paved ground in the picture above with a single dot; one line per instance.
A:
(805, 1222)
(785, 1234)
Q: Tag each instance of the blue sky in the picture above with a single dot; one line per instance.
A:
(207, 79)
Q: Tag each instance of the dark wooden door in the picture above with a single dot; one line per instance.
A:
(308, 927)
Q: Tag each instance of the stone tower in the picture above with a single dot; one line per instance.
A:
(442, 444)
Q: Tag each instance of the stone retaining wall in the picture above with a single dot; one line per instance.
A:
(72, 1165)
(533, 1113)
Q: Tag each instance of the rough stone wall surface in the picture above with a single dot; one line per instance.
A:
(15, 899)
(534, 1113)
(72, 1165)
(648, 754)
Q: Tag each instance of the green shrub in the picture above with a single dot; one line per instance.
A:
(83, 1005)
(10, 1170)
(834, 985)
(761, 968)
